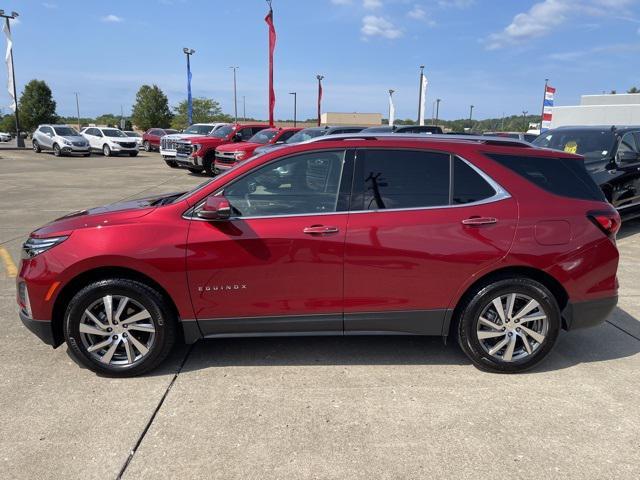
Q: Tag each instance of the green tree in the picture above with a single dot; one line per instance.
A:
(151, 108)
(8, 124)
(36, 106)
(205, 110)
(633, 90)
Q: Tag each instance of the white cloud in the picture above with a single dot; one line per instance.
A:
(373, 26)
(417, 13)
(48, 5)
(372, 4)
(455, 3)
(546, 15)
(111, 18)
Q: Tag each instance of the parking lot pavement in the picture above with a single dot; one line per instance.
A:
(379, 407)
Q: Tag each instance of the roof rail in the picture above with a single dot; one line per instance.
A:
(507, 142)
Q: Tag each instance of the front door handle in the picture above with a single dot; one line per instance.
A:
(475, 221)
(320, 230)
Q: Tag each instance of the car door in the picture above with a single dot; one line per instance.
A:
(46, 139)
(421, 224)
(627, 186)
(277, 264)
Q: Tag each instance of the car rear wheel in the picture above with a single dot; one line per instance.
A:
(509, 325)
(56, 150)
(36, 147)
(171, 163)
(146, 146)
(119, 327)
(209, 165)
(106, 151)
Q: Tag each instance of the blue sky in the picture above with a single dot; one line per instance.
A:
(494, 54)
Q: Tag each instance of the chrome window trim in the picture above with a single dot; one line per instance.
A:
(501, 194)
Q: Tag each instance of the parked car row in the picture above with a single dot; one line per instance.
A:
(66, 140)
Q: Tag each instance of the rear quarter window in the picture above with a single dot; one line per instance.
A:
(566, 177)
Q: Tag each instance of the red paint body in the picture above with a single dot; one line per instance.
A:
(208, 144)
(153, 136)
(245, 150)
(377, 261)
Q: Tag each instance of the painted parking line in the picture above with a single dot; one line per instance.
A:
(9, 265)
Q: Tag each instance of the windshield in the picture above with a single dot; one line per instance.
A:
(222, 132)
(199, 129)
(66, 131)
(592, 143)
(112, 132)
(263, 136)
(306, 134)
(132, 134)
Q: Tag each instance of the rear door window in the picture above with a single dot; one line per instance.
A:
(566, 177)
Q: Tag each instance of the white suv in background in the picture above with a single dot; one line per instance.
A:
(110, 141)
(168, 142)
(62, 139)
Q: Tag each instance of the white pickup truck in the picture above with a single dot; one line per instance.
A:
(168, 142)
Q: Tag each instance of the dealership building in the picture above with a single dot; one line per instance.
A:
(607, 109)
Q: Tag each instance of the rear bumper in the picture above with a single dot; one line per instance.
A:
(588, 314)
(41, 328)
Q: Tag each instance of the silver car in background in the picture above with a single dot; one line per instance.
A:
(61, 139)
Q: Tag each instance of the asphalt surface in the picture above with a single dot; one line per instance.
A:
(326, 408)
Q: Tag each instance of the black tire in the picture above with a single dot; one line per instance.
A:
(171, 164)
(56, 150)
(133, 154)
(196, 171)
(475, 303)
(106, 151)
(36, 147)
(209, 165)
(146, 145)
(163, 320)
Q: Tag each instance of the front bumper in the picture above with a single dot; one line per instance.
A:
(43, 329)
(588, 314)
(190, 161)
(74, 149)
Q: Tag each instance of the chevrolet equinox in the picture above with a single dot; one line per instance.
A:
(493, 242)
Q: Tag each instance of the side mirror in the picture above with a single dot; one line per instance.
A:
(628, 157)
(215, 208)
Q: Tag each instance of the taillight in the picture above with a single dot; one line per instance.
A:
(607, 222)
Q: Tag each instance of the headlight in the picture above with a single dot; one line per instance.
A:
(239, 155)
(67, 142)
(36, 246)
(196, 147)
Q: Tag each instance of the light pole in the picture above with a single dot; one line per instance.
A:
(437, 110)
(244, 108)
(470, 116)
(13, 16)
(420, 94)
(188, 52)
(319, 77)
(295, 108)
(524, 119)
(78, 109)
(235, 96)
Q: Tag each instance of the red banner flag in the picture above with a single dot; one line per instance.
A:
(272, 46)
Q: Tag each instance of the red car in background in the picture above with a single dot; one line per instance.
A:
(230, 154)
(493, 242)
(151, 138)
(197, 154)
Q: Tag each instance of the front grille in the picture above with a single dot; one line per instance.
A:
(79, 144)
(168, 143)
(225, 158)
(127, 144)
(182, 148)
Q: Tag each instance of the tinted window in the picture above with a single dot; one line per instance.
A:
(593, 143)
(46, 130)
(561, 176)
(628, 143)
(402, 179)
(66, 131)
(302, 184)
(263, 136)
(468, 185)
(285, 136)
(222, 132)
(306, 134)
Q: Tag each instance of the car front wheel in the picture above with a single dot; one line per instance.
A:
(509, 325)
(146, 146)
(56, 150)
(106, 151)
(119, 327)
(36, 147)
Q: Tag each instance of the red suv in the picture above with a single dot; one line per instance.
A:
(197, 154)
(151, 138)
(494, 242)
(230, 154)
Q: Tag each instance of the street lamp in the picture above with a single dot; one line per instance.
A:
(78, 109)
(188, 52)
(244, 108)
(437, 110)
(524, 119)
(295, 108)
(390, 120)
(13, 16)
(235, 96)
(470, 116)
(319, 77)
(420, 94)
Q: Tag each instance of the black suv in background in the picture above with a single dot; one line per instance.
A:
(404, 129)
(307, 134)
(612, 157)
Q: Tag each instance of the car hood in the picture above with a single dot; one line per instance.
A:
(239, 147)
(206, 140)
(74, 138)
(112, 214)
(180, 136)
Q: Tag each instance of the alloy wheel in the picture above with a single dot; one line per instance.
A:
(512, 327)
(117, 331)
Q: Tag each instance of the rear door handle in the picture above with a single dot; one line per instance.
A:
(320, 230)
(474, 221)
